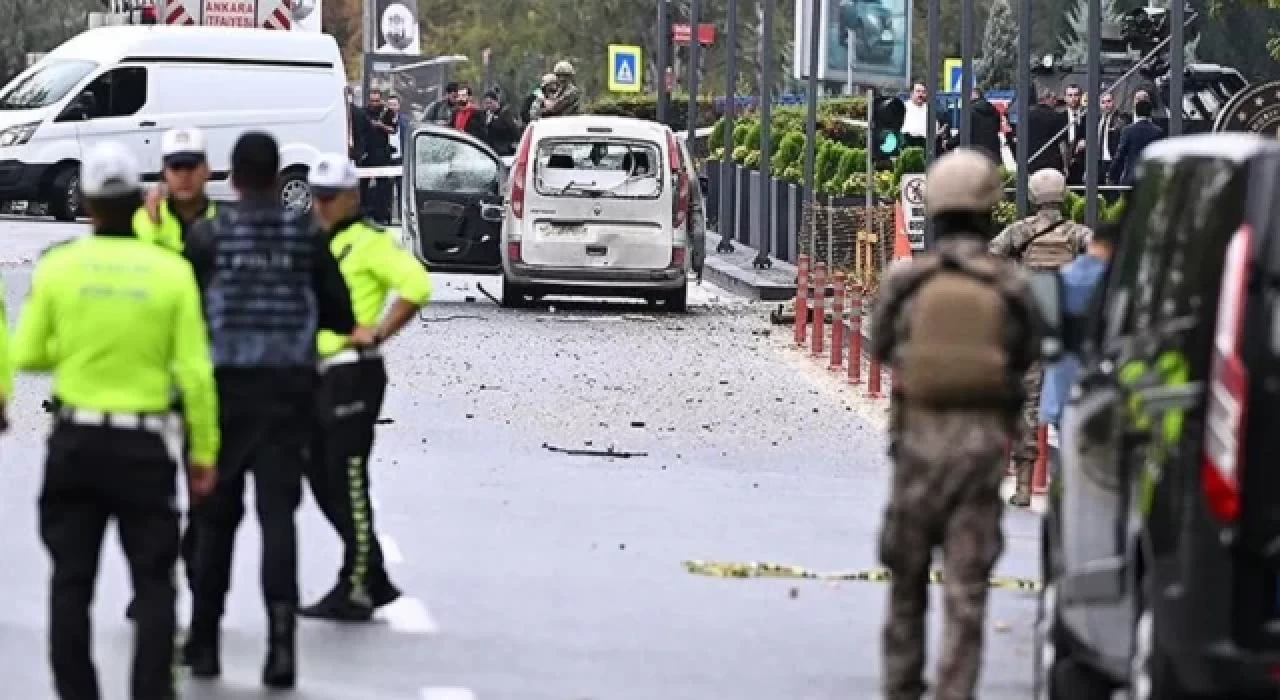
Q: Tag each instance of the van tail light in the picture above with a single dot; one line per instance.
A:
(680, 203)
(514, 251)
(678, 255)
(518, 172)
(1228, 389)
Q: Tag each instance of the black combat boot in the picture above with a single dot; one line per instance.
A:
(341, 605)
(281, 670)
(201, 651)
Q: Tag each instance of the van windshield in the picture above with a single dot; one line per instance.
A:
(598, 167)
(46, 85)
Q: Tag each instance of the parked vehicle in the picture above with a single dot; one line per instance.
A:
(132, 83)
(1161, 545)
(599, 206)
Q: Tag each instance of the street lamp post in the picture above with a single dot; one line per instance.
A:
(766, 143)
(811, 124)
(1092, 150)
(1024, 100)
(660, 79)
(694, 47)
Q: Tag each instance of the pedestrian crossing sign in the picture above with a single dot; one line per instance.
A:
(624, 68)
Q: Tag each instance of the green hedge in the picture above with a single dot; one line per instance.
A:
(784, 118)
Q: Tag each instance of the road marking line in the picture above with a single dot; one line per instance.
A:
(447, 694)
(408, 615)
(390, 550)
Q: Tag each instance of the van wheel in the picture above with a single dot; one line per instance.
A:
(677, 300)
(295, 193)
(1057, 675)
(64, 195)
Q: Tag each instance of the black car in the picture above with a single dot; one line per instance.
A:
(1161, 547)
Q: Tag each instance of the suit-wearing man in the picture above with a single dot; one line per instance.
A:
(1133, 140)
(1075, 137)
(1045, 130)
(1110, 123)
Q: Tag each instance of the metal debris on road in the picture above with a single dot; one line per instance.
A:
(610, 452)
(757, 569)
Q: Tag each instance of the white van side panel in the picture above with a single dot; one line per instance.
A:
(304, 108)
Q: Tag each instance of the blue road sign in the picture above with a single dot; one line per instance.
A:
(624, 68)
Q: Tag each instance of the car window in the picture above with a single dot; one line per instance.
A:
(598, 167)
(119, 92)
(444, 164)
(1148, 210)
(46, 85)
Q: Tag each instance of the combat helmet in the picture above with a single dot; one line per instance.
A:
(964, 180)
(1047, 186)
(564, 69)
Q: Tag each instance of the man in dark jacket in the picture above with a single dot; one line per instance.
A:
(985, 130)
(440, 112)
(1045, 131)
(270, 283)
(497, 127)
(1133, 140)
(357, 130)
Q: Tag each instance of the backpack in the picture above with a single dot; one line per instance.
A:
(1048, 249)
(955, 353)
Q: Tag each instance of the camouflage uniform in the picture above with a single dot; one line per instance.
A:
(945, 492)
(567, 101)
(1046, 252)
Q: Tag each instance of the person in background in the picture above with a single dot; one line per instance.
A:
(915, 130)
(357, 129)
(498, 129)
(1045, 130)
(353, 383)
(464, 113)
(1075, 138)
(534, 100)
(985, 132)
(1134, 138)
(399, 148)
(377, 190)
(1081, 280)
(1110, 123)
(567, 99)
(117, 322)
(440, 112)
(270, 285)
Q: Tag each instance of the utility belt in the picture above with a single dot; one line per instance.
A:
(158, 423)
(350, 356)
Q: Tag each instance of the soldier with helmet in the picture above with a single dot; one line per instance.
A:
(1046, 240)
(957, 326)
(564, 98)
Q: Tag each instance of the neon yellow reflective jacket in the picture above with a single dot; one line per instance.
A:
(374, 266)
(168, 232)
(118, 322)
(6, 366)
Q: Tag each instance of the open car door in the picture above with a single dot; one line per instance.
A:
(453, 203)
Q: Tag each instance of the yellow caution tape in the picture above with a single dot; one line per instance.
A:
(759, 569)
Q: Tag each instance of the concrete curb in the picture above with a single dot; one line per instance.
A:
(732, 272)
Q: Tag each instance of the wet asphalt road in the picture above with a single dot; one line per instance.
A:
(535, 575)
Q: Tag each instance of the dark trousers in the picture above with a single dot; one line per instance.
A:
(350, 399)
(93, 474)
(377, 199)
(266, 430)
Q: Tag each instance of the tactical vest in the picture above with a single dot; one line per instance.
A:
(956, 349)
(1050, 247)
(261, 305)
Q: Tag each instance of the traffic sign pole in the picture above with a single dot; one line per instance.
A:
(664, 41)
(694, 47)
(728, 215)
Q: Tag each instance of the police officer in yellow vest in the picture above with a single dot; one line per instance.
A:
(165, 219)
(170, 211)
(118, 323)
(353, 381)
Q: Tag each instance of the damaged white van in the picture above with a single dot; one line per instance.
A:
(598, 206)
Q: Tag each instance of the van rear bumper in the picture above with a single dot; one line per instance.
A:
(539, 275)
(20, 181)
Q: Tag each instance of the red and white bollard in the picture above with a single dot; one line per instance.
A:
(1040, 474)
(819, 308)
(855, 335)
(837, 323)
(873, 378)
(802, 298)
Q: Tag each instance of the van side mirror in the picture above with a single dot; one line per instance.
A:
(1046, 289)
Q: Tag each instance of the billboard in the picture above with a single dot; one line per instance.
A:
(866, 42)
(396, 28)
